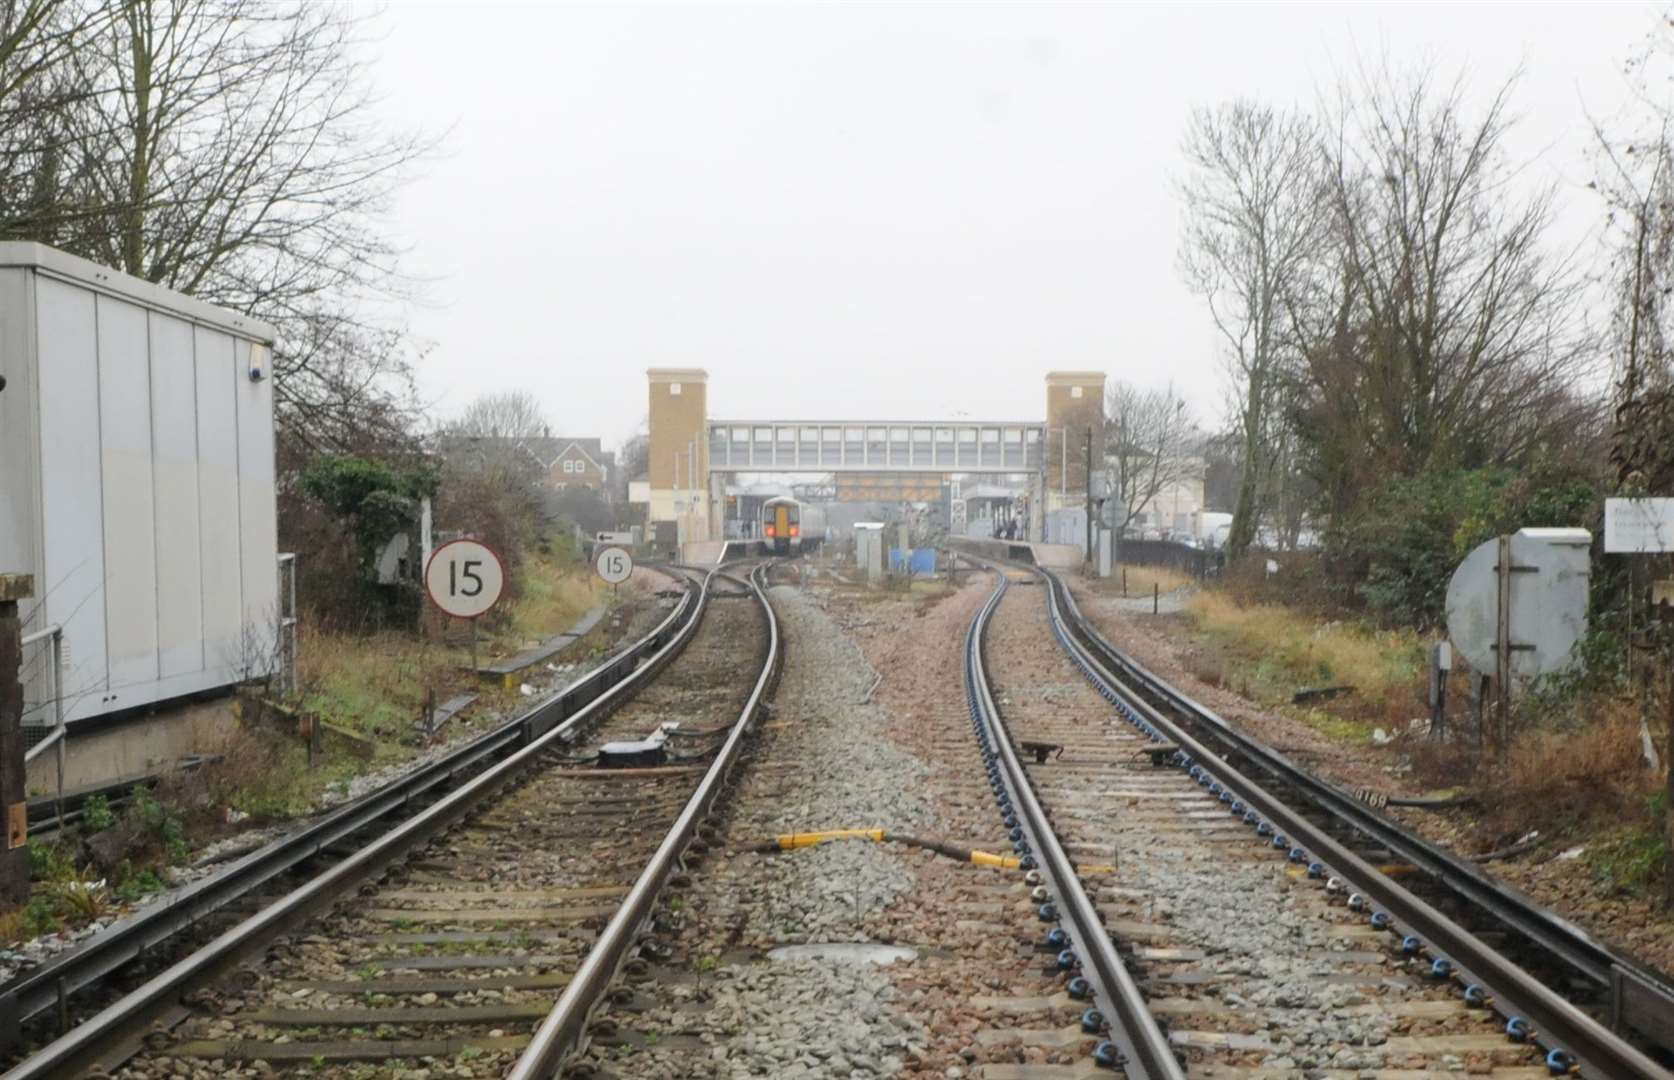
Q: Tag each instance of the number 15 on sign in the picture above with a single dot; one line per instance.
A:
(614, 565)
(465, 578)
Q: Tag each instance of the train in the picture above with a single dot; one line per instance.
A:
(791, 527)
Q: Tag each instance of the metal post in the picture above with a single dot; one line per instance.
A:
(14, 861)
(1089, 479)
(1156, 597)
(1502, 648)
(1438, 692)
(63, 744)
(1063, 469)
(57, 645)
(1479, 691)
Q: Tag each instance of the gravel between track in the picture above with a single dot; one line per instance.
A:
(722, 1009)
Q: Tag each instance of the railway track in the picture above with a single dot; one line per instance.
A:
(440, 944)
(1613, 989)
(1251, 935)
(81, 981)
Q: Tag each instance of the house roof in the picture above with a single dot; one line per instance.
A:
(544, 449)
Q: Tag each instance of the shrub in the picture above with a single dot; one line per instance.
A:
(1411, 533)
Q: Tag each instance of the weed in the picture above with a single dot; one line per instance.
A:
(50, 862)
(38, 916)
(1634, 861)
(80, 901)
(131, 884)
(96, 815)
(162, 821)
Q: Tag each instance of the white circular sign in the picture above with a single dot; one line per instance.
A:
(614, 565)
(464, 578)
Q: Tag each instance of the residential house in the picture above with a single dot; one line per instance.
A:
(558, 461)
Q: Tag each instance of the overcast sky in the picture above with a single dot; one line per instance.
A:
(865, 211)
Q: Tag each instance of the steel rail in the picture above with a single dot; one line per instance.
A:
(1555, 1023)
(563, 1032)
(32, 993)
(1641, 997)
(1143, 1044)
(84, 1044)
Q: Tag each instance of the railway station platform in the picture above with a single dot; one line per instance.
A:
(1051, 556)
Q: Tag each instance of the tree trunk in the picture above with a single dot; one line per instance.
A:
(1247, 511)
(139, 173)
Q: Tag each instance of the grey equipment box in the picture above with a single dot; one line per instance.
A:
(136, 431)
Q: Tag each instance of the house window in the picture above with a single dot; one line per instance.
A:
(1075, 391)
(674, 389)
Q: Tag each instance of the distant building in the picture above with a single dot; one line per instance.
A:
(558, 462)
(581, 463)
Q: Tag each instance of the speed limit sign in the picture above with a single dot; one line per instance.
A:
(464, 578)
(614, 565)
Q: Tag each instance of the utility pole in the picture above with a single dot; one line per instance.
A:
(14, 861)
(1089, 491)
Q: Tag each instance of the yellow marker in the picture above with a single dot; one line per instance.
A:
(789, 841)
(1004, 862)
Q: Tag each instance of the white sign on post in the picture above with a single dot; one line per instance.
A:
(464, 578)
(1638, 526)
(614, 565)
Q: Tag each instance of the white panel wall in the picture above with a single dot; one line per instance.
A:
(223, 603)
(174, 440)
(258, 521)
(18, 522)
(136, 484)
(129, 524)
(71, 577)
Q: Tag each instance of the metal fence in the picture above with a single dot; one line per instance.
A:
(1198, 562)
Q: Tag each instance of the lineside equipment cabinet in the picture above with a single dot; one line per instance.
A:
(136, 484)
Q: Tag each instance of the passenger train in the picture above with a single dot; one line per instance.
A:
(790, 527)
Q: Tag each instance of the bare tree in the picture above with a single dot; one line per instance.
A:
(500, 433)
(39, 89)
(235, 147)
(348, 387)
(1446, 321)
(1637, 183)
(230, 149)
(1255, 220)
(635, 455)
(1146, 451)
(513, 416)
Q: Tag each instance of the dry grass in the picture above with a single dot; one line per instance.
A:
(1556, 780)
(1309, 653)
(375, 684)
(1142, 580)
(552, 598)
